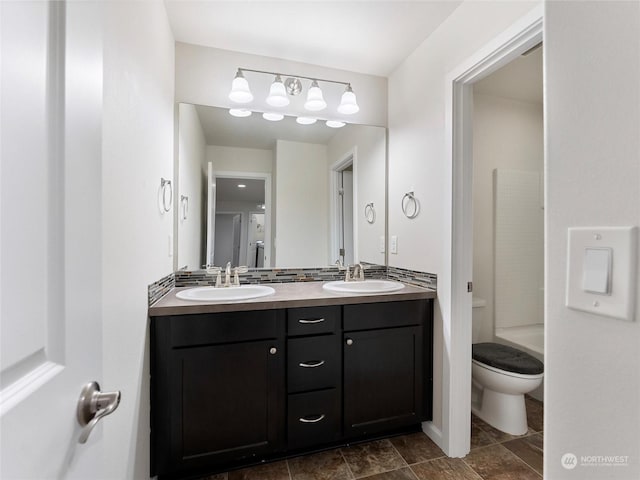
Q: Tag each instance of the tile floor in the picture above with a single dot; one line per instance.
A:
(494, 456)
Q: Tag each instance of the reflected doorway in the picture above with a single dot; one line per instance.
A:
(344, 198)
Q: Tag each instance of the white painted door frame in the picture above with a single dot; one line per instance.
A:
(521, 36)
(348, 158)
(267, 204)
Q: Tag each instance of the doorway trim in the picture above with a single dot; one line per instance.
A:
(267, 203)
(457, 329)
(348, 158)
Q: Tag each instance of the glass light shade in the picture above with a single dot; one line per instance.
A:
(335, 124)
(240, 112)
(348, 104)
(278, 94)
(240, 92)
(306, 120)
(272, 117)
(315, 101)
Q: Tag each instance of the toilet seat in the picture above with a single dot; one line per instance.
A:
(500, 371)
(506, 358)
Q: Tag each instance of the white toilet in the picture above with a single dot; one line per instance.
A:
(501, 375)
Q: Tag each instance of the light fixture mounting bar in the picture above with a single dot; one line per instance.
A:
(324, 80)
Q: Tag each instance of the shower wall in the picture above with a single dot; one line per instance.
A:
(507, 134)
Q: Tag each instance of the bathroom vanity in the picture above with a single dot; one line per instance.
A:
(235, 384)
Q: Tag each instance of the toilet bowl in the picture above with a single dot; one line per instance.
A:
(501, 375)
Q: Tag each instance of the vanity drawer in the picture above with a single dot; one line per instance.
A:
(313, 320)
(367, 316)
(313, 363)
(314, 418)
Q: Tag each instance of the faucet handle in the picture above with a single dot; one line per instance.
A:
(212, 269)
(241, 269)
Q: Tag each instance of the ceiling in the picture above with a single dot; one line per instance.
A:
(371, 37)
(520, 79)
(222, 129)
(227, 190)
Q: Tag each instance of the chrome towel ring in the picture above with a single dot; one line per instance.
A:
(410, 205)
(165, 186)
(370, 213)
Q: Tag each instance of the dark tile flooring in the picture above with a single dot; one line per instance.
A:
(494, 456)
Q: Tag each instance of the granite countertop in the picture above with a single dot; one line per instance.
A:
(287, 295)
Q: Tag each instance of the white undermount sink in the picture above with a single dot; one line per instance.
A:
(225, 294)
(363, 286)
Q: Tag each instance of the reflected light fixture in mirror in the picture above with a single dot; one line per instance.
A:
(272, 117)
(240, 112)
(306, 120)
(240, 92)
(335, 124)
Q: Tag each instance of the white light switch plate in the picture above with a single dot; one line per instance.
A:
(394, 244)
(601, 271)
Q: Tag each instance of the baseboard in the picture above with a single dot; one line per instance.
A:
(435, 434)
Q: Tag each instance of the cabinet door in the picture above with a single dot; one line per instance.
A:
(227, 402)
(382, 380)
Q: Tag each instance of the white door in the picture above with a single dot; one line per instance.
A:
(50, 223)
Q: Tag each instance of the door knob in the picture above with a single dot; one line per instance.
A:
(93, 405)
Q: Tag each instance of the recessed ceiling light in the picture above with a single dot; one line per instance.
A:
(335, 124)
(241, 185)
(272, 117)
(306, 120)
(240, 112)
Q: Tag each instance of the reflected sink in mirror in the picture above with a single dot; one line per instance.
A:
(366, 286)
(225, 294)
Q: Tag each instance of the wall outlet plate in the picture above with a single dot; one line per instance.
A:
(394, 244)
(616, 299)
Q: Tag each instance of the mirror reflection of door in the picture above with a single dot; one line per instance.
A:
(237, 201)
(345, 220)
(227, 241)
(255, 255)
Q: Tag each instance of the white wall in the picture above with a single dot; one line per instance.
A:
(507, 134)
(204, 76)
(301, 204)
(370, 144)
(236, 159)
(138, 138)
(592, 71)
(417, 150)
(191, 162)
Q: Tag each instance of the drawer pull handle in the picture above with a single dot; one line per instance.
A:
(312, 420)
(317, 363)
(316, 320)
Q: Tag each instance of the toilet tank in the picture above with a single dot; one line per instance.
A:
(477, 317)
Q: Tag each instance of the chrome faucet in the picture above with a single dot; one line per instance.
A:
(227, 275)
(356, 276)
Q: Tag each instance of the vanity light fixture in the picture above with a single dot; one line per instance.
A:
(306, 120)
(335, 124)
(272, 117)
(240, 92)
(280, 91)
(315, 101)
(348, 104)
(240, 112)
(277, 94)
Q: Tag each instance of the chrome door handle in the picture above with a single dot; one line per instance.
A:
(317, 363)
(93, 405)
(312, 420)
(317, 320)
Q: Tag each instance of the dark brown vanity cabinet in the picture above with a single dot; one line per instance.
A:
(387, 366)
(229, 389)
(217, 389)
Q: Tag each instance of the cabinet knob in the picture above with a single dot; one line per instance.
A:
(349, 341)
(273, 350)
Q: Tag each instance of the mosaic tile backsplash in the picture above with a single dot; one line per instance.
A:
(194, 278)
